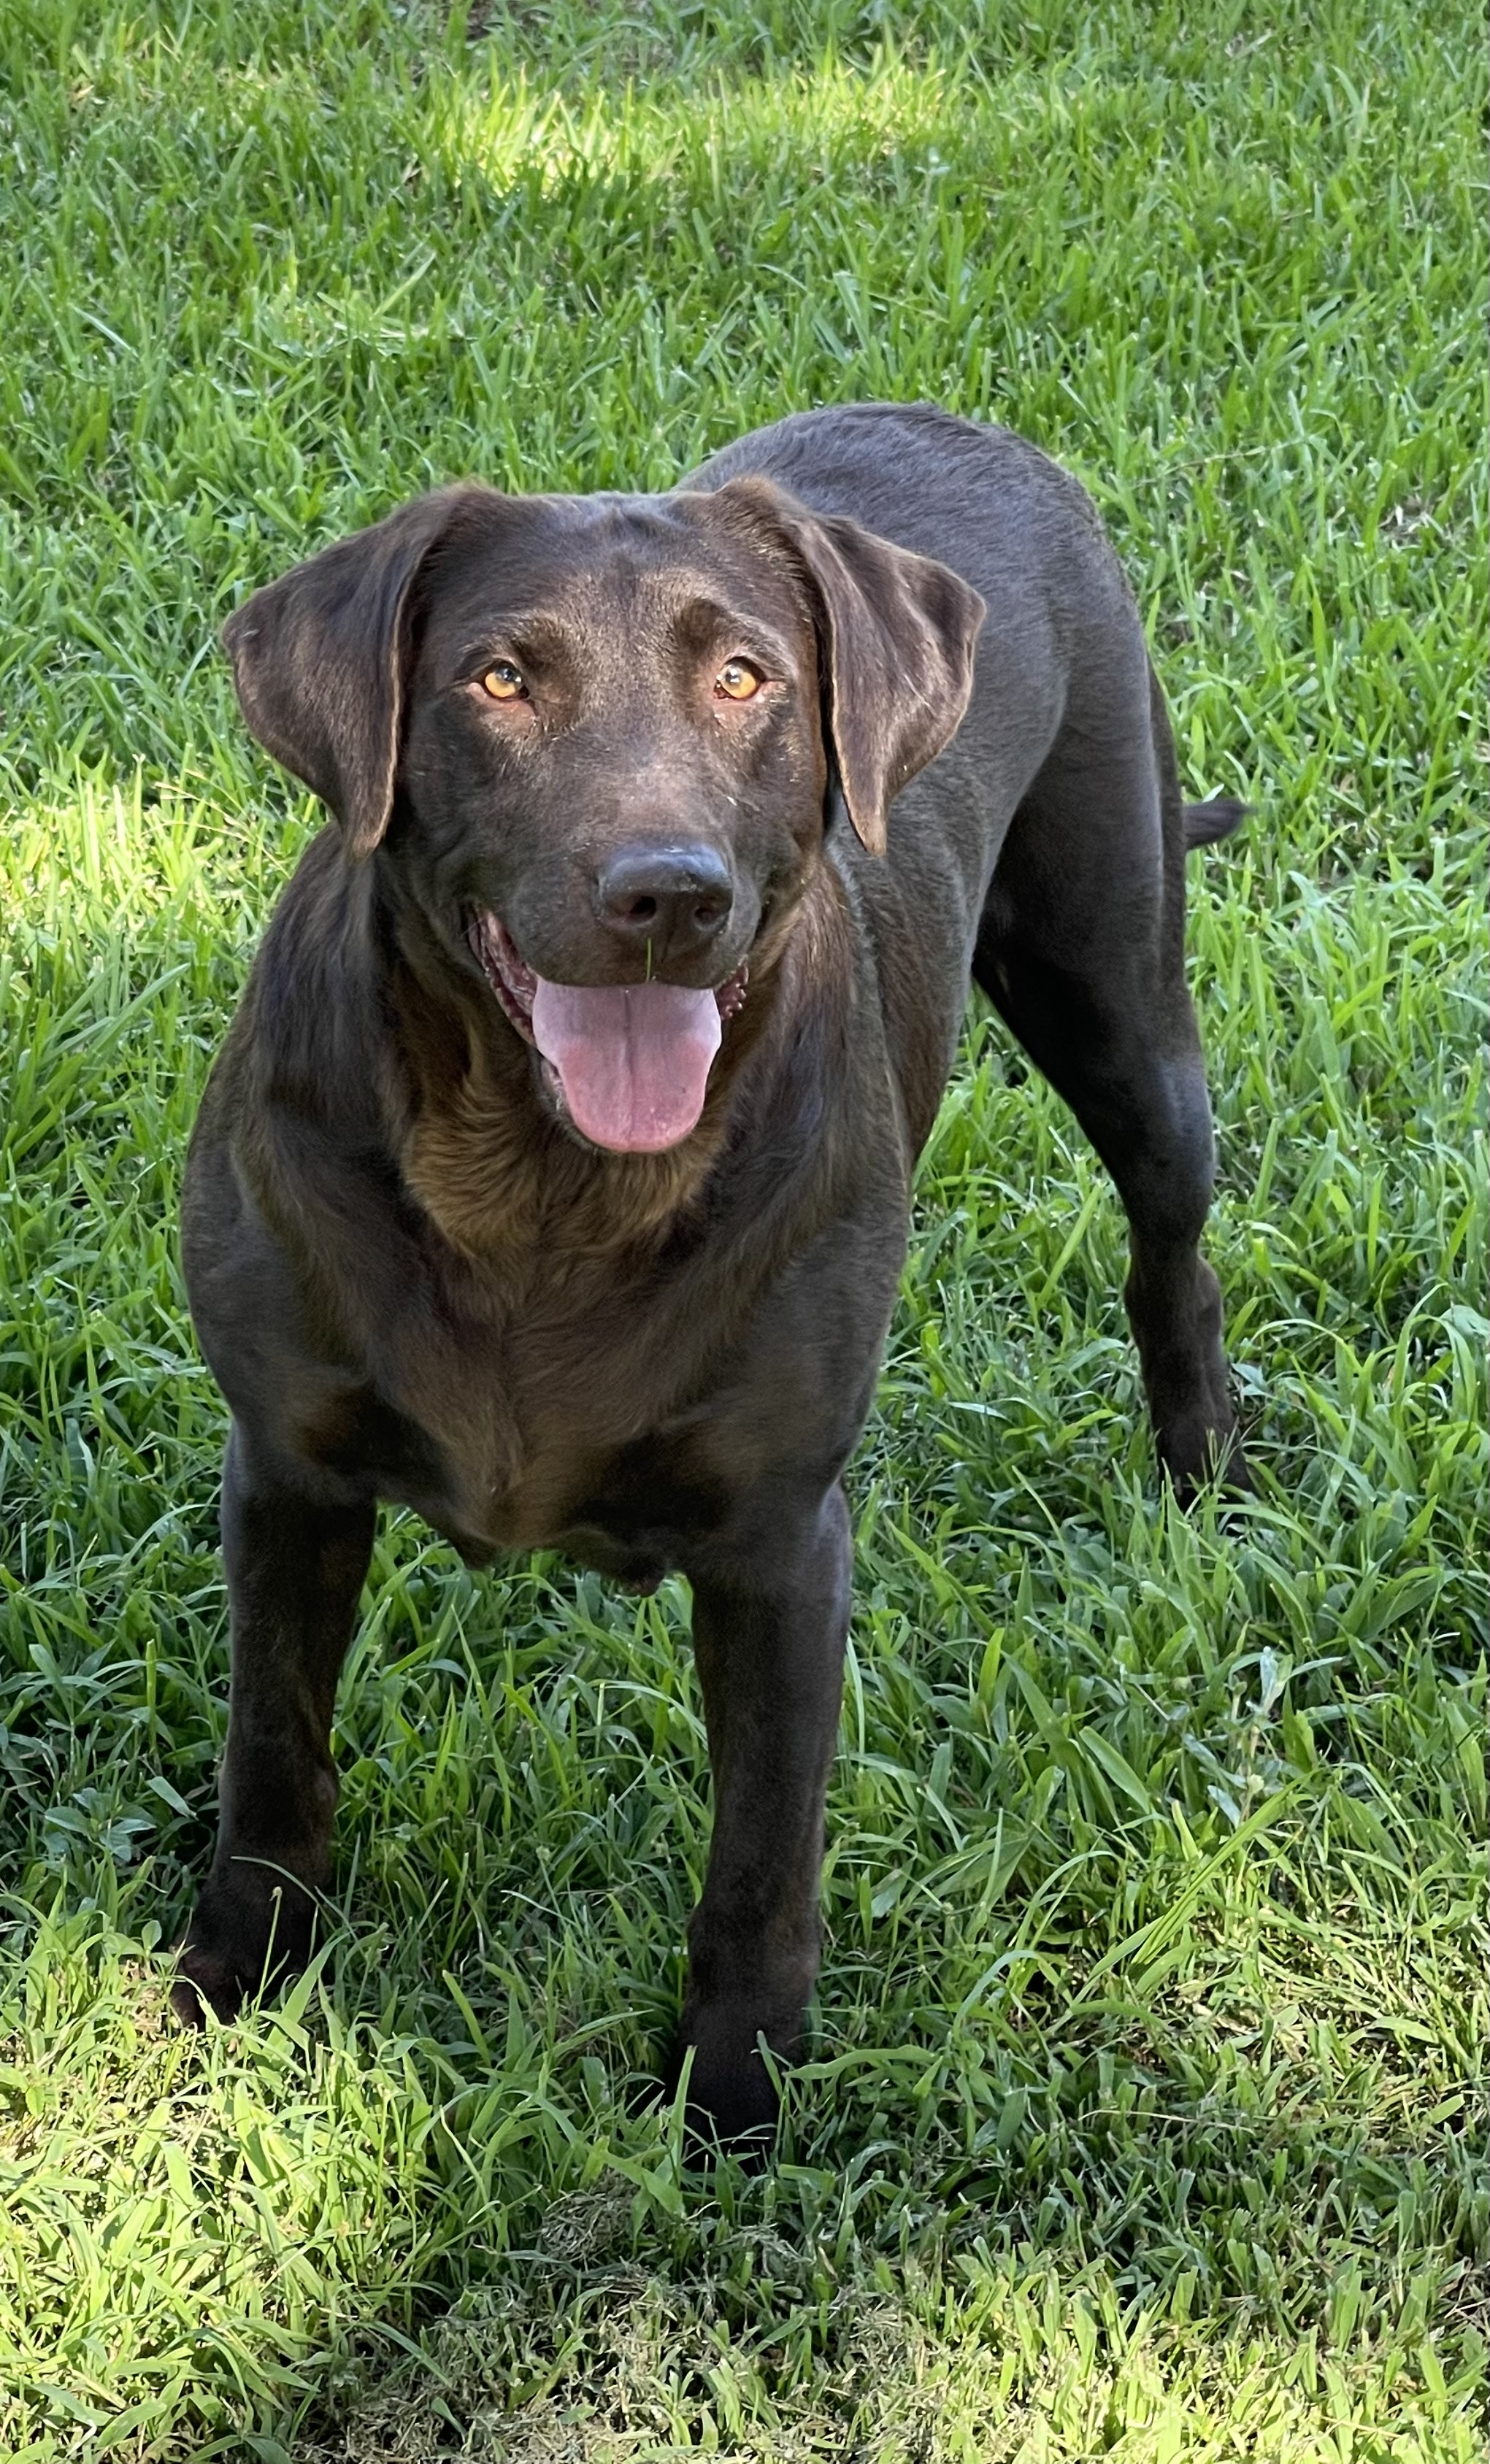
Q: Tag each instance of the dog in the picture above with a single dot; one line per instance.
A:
(553, 1178)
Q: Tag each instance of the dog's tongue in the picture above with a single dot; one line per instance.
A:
(632, 1059)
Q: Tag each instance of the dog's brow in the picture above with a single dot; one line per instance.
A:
(706, 621)
(532, 633)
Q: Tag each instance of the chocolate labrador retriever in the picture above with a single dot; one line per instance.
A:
(553, 1178)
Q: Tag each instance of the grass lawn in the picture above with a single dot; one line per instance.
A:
(1144, 2120)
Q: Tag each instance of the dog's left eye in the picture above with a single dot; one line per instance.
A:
(737, 680)
(504, 682)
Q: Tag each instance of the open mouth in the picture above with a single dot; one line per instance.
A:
(628, 1064)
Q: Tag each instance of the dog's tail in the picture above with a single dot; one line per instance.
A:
(1205, 824)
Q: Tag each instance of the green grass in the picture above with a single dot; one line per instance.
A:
(1145, 2117)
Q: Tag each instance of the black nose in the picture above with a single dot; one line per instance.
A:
(675, 897)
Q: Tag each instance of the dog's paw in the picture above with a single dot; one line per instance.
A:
(731, 2097)
(1202, 1455)
(203, 1983)
(239, 1942)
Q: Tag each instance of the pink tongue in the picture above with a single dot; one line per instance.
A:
(632, 1059)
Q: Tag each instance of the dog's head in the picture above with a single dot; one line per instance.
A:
(599, 736)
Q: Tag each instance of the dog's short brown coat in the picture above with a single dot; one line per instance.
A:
(414, 1281)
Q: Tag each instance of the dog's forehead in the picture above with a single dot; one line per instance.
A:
(591, 563)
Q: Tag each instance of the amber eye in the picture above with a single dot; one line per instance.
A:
(504, 682)
(737, 680)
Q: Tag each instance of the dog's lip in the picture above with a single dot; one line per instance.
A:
(515, 983)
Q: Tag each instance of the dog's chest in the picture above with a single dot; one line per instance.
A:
(551, 1411)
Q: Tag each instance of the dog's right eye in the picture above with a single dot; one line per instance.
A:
(504, 682)
(738, 680)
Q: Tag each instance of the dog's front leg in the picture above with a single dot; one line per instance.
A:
(770, 1623)
(295, 1574)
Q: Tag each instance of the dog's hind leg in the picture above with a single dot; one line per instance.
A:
(1080, 949)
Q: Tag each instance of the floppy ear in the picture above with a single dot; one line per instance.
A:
(896, 635)
(320, 659)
